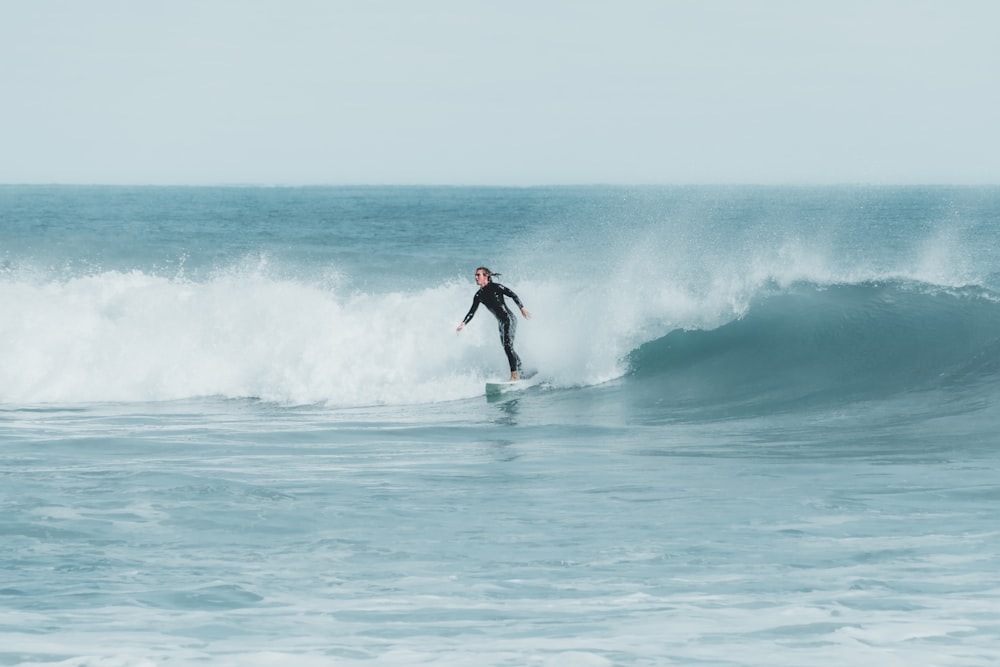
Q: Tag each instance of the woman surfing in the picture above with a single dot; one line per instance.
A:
(492, 295)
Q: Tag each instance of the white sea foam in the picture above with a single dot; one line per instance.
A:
(136, 337)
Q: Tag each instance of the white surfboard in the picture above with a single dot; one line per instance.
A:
(498, 387)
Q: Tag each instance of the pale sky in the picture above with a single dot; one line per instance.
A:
(497, 92)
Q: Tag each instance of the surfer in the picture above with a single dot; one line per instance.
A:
(492, 295)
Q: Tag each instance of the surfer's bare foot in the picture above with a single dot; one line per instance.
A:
(513, 376)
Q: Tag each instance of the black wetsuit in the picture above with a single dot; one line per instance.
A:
(491, 295)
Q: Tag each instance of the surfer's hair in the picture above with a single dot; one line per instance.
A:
(489, 274)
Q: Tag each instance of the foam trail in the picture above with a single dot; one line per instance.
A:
(133, 336)
(139, 337)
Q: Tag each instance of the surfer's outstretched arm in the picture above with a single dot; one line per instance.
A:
(472, 311)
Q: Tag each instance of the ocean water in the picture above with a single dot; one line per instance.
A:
(237, 427)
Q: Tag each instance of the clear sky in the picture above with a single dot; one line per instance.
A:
(513, 92)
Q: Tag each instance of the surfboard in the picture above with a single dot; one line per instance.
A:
(498, 387)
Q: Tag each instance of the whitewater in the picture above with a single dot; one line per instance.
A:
(238, 427)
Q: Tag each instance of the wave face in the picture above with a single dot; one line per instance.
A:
(827, 344)
(350, 296)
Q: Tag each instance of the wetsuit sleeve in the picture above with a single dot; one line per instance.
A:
(472, 310)
(509, 292)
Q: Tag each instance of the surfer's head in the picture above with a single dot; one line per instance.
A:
(484, 275)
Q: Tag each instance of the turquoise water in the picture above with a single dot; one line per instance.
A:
(237, 427)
